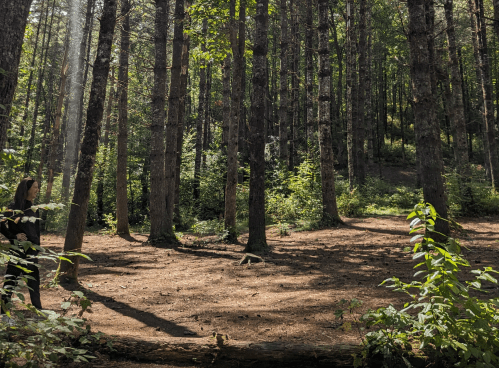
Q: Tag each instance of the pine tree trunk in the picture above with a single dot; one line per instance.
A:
(13, 18)
(257, 240)
(283, 104)
(78, 213)
(476, 9)
(237, 40)
(206, 129)
(459, 121)
(309, 79)
(351, 93)
(226, 103)
(360, 154)
(121, 169)
(428, 136)
(56, 132)
(30, 78)
(329, 208)
(41, 74)
(181, 121)
(295, 109)
(157, 203)
(173, 118)
(369, 109)
(200, 120)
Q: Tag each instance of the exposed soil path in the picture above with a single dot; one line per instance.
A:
(184, 294)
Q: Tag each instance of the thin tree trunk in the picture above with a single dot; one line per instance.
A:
(237, 40)
(257, 240)
(39, 87)
(309, 79)
(30, 78)
(226, 103)
(173, 118)
(369, 109)
(78, 213)
(283, 105)
(351, 95)
(121, 174)
(294, 121)
(476, 8)
(157, 203)
(200, 119)
(181, 121)
(428, 137)
(360, 154)
(206, 129)
(459, 121)
(329, 208)
(13, 18)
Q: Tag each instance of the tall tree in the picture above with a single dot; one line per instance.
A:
(13, 19)
(329, 208)
(361, 99)
(157, 202)
(428, 131)
(200, 118)
(78, 212)
(477, 11)
(174, 103)
(121, 174)
(283, 104)
(458, 120)
(257, 240)
(351, 97)
(309, 80)
(237, 40)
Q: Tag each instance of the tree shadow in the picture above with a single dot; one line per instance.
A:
(149, 319)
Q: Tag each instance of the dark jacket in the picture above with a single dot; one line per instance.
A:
(32, 229)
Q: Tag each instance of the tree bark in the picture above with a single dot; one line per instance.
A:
(157, 203)
(329, 208)
(78, 213)
(283, 104)
(181, 121)
(257, 240)
(368, 79)
(13, 18)
(428, 131)
(309, 79)
(237, 40)
(351, 95)
(173, 118)
(200, 119)
(360, 154)
(121, 169)
(226, 103)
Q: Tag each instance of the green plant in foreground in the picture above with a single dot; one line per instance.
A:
(450, 325)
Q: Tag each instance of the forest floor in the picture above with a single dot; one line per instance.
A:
(185, 293)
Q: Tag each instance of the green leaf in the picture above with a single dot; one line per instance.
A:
(65, 305)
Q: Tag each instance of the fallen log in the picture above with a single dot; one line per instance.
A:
(212, 350)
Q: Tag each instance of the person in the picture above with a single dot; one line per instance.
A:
(14, 227)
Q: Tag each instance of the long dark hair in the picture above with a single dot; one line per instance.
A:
(22, 194)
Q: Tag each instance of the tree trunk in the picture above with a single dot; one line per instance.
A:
(206, 129)
(173, 118)
(351, 93)
(295, 108)
(200, 120)
(459, 121)
(476, 9)
(257, 240)
(237, 40)
(309, 79)
(30, 78)
(428, 136)
(369, 109)
(226, 103)
(181, 121)
(157, 203)
(360, 154)
(13, 18)
(283, 104)
(41, 74)
(329, 209)
(78, 213)
(121, 174)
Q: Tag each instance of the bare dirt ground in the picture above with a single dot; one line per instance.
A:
(185, 293)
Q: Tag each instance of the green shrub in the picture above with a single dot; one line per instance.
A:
(450, 325)
(350, 204)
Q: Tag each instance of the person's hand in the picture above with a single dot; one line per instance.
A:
(21, 237)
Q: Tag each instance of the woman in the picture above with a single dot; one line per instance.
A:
(16, 228)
